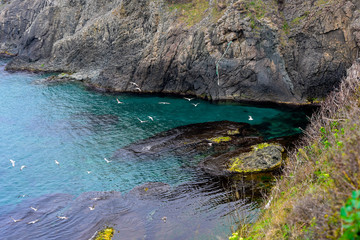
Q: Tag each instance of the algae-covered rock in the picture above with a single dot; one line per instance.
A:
(105, 234)
(263, 157)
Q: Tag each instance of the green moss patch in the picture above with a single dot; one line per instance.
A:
(192, 12)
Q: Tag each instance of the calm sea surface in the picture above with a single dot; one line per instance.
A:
(42, 123)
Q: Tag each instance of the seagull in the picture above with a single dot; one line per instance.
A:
(135, 84)
(210, 144)
(22, 167)
(195, 104)
(108, 161)
(151, 118)
(62, 217)
(92, 208)
(138, 89)
(141, 120)
(164, 219)
(16, 220)
(12, 162)
(90, 171)
(189, 99)
(118, 101)
(32, 222)
(163, 103)
(35, 209)
(250, 118)
(57, 162)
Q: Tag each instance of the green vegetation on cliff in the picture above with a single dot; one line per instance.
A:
(318, 196)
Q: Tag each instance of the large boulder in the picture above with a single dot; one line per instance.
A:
(258, 158)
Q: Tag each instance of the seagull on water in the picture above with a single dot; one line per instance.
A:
(92, 208)
(35, 209)
(151, 118)
(57, 162)
(108, 161)
(195, 104)
(88, 172)
(163, 103)
(141, 120)
(135, 84)
(164, 219)
(189, 99)
(32, 222)
(12, 162)
(118, 101)
(62, 217)
(16, 220)
(250, 118)
(22, 167)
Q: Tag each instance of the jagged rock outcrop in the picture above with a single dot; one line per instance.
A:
(263, 49)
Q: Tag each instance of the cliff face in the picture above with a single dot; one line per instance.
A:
(263, 49)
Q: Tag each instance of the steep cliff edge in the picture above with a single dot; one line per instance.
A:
(263, 50)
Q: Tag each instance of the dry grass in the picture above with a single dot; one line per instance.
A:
(320, 174)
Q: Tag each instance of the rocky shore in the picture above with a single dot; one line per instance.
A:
(262, 50)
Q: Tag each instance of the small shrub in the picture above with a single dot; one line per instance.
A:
(350, 214)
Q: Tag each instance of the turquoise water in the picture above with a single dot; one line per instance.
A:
(42, 123)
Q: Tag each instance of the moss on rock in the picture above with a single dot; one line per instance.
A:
(262, 157)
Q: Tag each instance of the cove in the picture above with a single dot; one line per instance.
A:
(41, 123)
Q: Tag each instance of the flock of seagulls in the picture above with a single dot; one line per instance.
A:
(91, 208)
(35, 209)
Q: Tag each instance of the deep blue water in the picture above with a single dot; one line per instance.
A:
(41, 123)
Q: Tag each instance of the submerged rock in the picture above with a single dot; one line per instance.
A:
(195, 139)
(150, 190)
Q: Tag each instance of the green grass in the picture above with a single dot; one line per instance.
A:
(190, 13)
(311, 199)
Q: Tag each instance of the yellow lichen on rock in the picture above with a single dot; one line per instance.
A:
(233, 132)
(220, 139)
(105, 234)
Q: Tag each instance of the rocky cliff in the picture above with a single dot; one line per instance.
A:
(262, 50)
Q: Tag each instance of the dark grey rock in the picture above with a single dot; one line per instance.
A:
(300, 53)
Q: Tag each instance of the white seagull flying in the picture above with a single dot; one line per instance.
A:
(189, 99)
(35, 209)
(108, 161)
(250, 118)
(12, 162)
(22, 167)
(151, 118)
(195, 104)
(141, 120)
(32, 222)
(16, 220)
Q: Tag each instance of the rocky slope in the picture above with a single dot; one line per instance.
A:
(263, 50)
